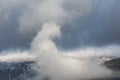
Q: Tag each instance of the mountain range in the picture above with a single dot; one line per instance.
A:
(22, 70)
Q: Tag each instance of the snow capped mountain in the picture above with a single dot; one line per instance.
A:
(98, 59)
(22, 70)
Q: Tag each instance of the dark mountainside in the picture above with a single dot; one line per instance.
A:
(16, 71)
(113, 64)
(22, 70)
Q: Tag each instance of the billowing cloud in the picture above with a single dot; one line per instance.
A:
(22, 18)
(101, 27)
(87, 23)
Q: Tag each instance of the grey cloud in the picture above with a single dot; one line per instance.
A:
(10, 11)
(92, 24)
(100, 28)
(13, 14)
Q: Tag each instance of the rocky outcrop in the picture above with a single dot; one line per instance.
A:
(113, 64)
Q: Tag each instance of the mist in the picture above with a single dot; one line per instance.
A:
(53, 65)
(56, 34)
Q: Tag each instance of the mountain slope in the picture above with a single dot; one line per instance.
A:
(21, 70)
(11, 71)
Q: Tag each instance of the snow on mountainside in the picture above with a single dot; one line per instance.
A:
(13, 71)
(22, 69)
(16, 57)
(101, 59)
(98, 59)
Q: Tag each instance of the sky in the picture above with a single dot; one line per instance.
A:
(89, 24)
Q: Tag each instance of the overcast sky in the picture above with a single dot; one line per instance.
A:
(93, 24)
